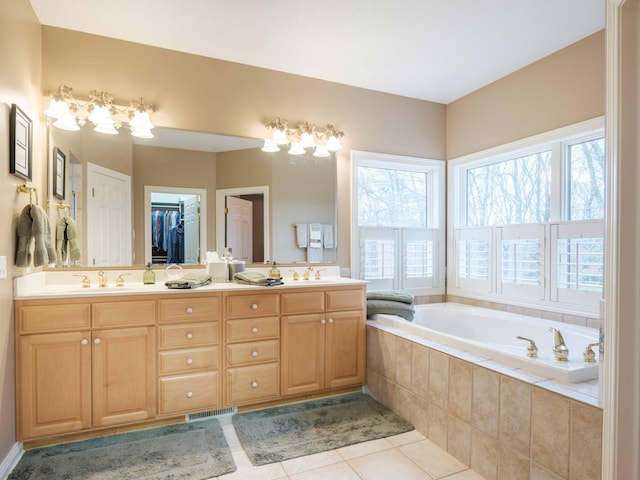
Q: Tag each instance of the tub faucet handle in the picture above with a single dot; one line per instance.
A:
(590, 355)
(560, 350)
(532, 349)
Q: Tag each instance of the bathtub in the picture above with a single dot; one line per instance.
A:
(492, 334)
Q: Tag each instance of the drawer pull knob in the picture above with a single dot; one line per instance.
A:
(189, 361)
(189, 394)
(331, 320)
(189, 336)
(322, 322)
(254, 354)
(254, 306)
(254, 384)
(84, 341)
(97, 341)
(189, 310)
(254, 329)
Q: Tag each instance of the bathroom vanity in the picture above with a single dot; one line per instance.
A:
(92, 359)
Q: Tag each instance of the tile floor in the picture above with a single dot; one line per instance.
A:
(408, 456)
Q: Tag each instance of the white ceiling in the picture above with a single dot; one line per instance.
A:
(437, 50)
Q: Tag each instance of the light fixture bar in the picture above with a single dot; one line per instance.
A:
(100, 109)
(302, 139)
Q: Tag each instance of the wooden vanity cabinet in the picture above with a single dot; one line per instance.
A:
(73, 376)
(324, 347)
(252, 347)
(189, 354)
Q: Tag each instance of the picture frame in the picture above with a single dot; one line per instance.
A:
(20, 138)
(59, 173)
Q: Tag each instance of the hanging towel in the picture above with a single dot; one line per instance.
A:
(23, 253)
(302, 235)
(72, 237)
(327, 236)
(61, 242)
(43, 253)
(66, 241)
(315, 235)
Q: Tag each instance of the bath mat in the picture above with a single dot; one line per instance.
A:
(281, 433)
(194, 451)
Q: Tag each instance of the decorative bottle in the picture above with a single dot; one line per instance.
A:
(275, 271)
(149, 276)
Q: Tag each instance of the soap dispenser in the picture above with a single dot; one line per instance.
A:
(149, 276)
(275, 271)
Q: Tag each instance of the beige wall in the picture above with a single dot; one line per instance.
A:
(20, 68)
(165, 167)
(564, 88)
(203, 94)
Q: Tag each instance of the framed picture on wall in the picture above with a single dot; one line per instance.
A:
(20, 135)
(59, 173)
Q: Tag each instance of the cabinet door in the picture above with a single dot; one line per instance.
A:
(54, 389)
(345, 349)
(302, 368)
(123, 375)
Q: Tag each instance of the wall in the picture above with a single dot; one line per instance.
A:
(20, 68)
(203, 94)
(165, 167)
(563, 88)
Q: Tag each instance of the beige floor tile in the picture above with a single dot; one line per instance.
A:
(405, 438)
(271, 471)
(466, 475)
(231, 437)
(364, 448)
(431, 458)
(310, 462)
(390, 464)
(337, 471)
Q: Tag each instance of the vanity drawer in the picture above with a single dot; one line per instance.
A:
(187, 360)
(253, 352)
(252, 329)
(124, 314)
(352, 299)
(252, 384)
(54, 318)
(186, 393)
(239, 306)
(302, 302)
(189, 309)
(188, 335)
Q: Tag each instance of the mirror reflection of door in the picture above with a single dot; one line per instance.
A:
(175, 228)
(109, 240)
(239, 214)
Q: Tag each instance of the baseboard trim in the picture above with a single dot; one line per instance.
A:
(11, 460)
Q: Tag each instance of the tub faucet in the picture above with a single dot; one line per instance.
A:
(560, 350)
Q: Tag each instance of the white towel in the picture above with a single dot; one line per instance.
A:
(302, 235)
(327, 235)
(315, 235)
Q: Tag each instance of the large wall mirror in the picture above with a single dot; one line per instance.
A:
(135, 200)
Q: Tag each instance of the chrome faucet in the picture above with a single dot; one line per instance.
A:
(560, 350)
(102, 279)
(307, 273)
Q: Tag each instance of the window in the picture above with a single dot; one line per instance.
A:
(398, 209)
(527, 220)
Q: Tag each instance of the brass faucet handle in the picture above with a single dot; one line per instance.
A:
(102, 279)
(307, 273)
(86, 283)
(120, 279)
(532, 349)
(590, 355)
(295, 276)
(317, 276)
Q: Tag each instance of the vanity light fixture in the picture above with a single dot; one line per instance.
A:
(302, 139)
(68, 113)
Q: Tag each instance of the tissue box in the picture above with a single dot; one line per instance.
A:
(218, 271)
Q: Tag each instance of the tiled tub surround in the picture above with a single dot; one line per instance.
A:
(503, 423)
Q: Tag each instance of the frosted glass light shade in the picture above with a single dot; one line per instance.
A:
(57, 109)
(333, 144)
(270, 146)
(306, 140)
(141, 132)
(280, 137)
(296, 149)
(67, 122)
(106, 127)
(321, 151)
(140, 120)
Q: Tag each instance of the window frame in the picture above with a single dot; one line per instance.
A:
(435, 228)
(558, 142)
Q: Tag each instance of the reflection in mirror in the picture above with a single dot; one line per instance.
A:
(196, 160)
(175, 225)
